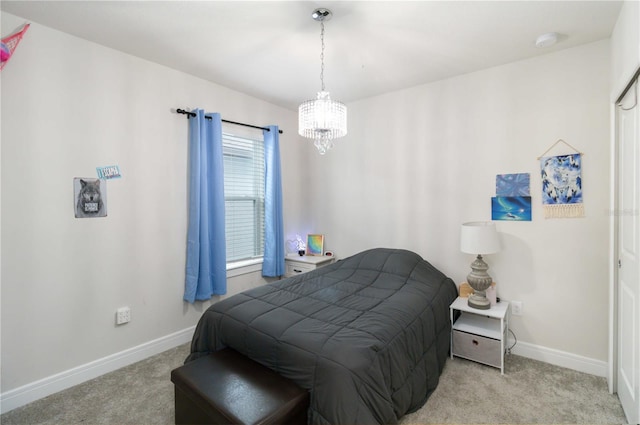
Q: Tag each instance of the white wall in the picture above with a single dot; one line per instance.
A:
(69, 106)
(419, 162)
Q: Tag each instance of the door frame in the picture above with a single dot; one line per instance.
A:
(612, 378)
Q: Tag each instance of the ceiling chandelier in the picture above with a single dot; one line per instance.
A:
(322, 119)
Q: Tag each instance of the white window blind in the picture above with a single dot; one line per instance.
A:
(244, 197)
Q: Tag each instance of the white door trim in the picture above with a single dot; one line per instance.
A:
(624, 369)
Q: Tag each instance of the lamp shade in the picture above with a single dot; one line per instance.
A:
(479, 237)
(322, 117)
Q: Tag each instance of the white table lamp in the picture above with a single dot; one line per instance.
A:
(479, 237)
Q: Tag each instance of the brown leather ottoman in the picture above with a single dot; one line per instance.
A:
(228, 388)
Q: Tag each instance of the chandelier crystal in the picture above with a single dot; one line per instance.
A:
(322, 119)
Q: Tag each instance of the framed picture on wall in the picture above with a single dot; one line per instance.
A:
(315, 244)
(89, 197)
(511, 208)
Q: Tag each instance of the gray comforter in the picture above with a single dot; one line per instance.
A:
(368, 335)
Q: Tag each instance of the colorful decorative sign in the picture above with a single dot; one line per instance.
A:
(109, 172)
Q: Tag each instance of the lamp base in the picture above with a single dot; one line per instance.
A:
(479, 302)
(479, 280)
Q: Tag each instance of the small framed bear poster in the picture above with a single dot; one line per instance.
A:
(90, 197)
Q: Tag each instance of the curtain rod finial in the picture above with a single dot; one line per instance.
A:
(182, 111)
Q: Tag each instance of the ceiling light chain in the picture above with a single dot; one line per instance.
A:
(322, 55)
(322, 119)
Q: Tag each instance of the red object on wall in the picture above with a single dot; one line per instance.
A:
(9, 44)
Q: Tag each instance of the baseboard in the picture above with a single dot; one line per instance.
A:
(51, 385)
(559, 358)
(36, 390)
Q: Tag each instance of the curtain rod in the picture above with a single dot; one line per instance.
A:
(193, 114)
(628, 87)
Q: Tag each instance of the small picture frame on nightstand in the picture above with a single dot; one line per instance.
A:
(315, 244)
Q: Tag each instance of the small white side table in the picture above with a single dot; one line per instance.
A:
(296, 264)
(480, 335)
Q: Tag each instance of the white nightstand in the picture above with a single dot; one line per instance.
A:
(480, 335)
(296, 264)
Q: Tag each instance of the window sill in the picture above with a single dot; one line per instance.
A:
(243, 267)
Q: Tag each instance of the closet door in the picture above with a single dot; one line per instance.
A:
(628, 246)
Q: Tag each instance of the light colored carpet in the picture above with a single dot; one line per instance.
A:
(530, 392)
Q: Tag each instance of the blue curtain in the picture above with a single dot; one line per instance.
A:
(206, 269)
(273, 263)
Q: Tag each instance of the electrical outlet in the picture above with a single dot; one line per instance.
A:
(123, 315)
(516, 308)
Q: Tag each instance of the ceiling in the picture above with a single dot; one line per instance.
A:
(271, 49)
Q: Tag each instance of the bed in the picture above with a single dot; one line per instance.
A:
(367, 335)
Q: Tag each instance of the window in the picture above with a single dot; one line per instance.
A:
(244, 197)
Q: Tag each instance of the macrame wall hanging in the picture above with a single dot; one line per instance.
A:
(9, 44)
(562, 184)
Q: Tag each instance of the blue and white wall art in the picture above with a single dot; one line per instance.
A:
(512, 201)
(562, 186)
(511, 208)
